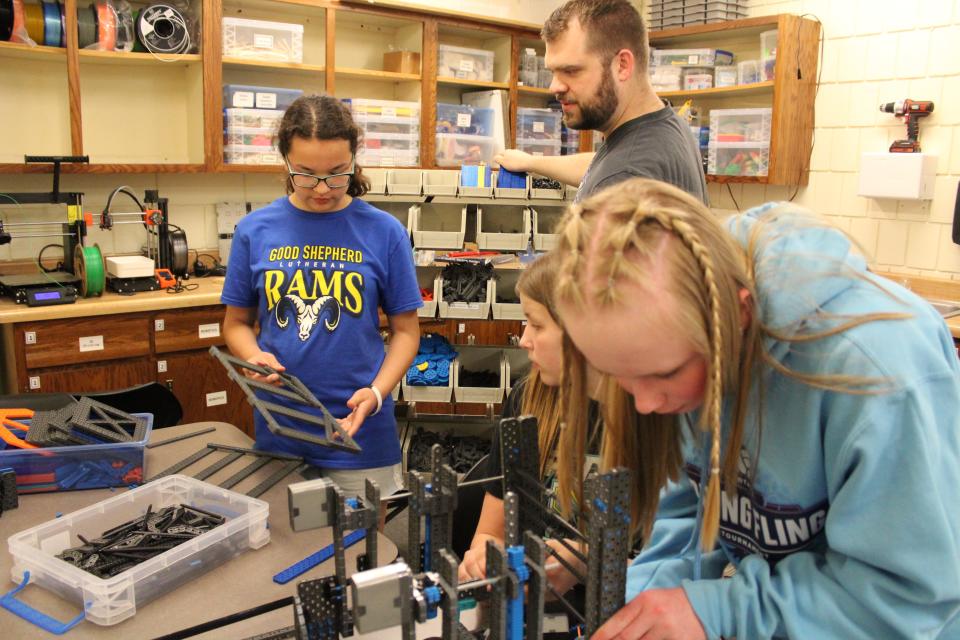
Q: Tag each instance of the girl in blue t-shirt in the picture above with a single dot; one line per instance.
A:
(306, 277)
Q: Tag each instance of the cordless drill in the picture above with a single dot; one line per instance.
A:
(911, 111)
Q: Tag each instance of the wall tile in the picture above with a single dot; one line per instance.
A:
(831, 60)
(948, 258)
(853, 60)
(923, 244)
(850, 203)
(192, 219)
(944, 196)
(845, 152)
(833, 104)
(954, 164)
(892, 242)
(916, 210)
(97, 188)
(882, 208)
(881, 55)
(933, 14)
(201, 188)
(840, 222)
(261, 187)
(863, 105)
(753, 195)
(820, 154)
(865, 231)
(844, 18)
(944, 51)
(870, 16)
(947, 111)
(912, 48)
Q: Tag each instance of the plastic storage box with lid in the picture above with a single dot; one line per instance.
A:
(691, 57)
(506, 301)
(438, 226)
(249, 154)
(391, 131)
(262, 40)
(739, 142)
(459, 309)
(545, 220)
(112, 600)
(539, 147)
(695, 78)
(503, 227)
(464, 135)
(464, 63)
(261, 119)
(570, 140)
(87, 466)
(768, 54)
(241, 96)
(478, 359)
(666, 78)
(538, 124)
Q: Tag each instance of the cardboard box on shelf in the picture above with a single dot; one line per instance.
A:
(401, 61)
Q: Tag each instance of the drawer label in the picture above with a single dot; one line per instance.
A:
(466, 65)
(538, 127)
(463, 119)
(209, 330)
(216, 398)
(266, 100)
(389, 112)
(243, 99)
(262, 41)
(91, 343)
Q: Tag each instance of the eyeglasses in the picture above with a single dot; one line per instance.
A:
(310, 181)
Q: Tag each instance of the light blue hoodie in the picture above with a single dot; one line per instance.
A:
(852, 526)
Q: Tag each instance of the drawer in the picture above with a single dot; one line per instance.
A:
(59, 342)
(188, 329)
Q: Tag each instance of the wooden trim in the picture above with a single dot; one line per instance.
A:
(251, 168)
(656, 37)
(514, 102)
(7, 168)
(791, 135)
(378, 76)
(135, 58)
(739, 179)
(73, 77)
(473, 83)
(447, 14)
(280, 66)
(428, 94)
(26, 52)
(534, 90)
(722, 92)
(212, 54)
(330, 59)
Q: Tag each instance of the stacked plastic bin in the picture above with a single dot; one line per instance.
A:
(464, 135)
(251, 118)
(391, 132)
(670, 14)
(739, 142)
(262, 40)
(464, 63)
(539, 131)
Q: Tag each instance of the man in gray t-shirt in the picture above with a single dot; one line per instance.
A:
(598, 53)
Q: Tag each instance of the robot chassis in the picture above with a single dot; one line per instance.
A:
(405, 593)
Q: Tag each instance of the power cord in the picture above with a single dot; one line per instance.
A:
(201, 270)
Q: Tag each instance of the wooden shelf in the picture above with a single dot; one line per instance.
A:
(26, 52)
(103, 168)
(240, 63)
(739, 91)
(136, 58)
(738, 179)
(697, 32)
(535, 91)
(473, 83)
(376, 75)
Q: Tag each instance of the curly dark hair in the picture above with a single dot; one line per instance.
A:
(322, 117)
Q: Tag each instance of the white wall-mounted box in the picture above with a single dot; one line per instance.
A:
(903, 176)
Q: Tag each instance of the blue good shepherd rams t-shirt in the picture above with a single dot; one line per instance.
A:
(316, 280)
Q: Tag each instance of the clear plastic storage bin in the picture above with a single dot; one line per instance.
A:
(252, 118)
(262, 40)
(47, 469)
(391, 131)
(464, 135)
(539, 147)
(241, 96)
(112, 600)
(249, 154)
(741, 125)
(463, 63)
(691, 57)
(538, 124)
(768, 54)
(738, 159)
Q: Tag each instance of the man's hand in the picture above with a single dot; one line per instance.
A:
(514, 160)
(264, 359)
(362, 403)
(658, 614)
(557, 575)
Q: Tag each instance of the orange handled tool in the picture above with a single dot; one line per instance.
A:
(8, 420)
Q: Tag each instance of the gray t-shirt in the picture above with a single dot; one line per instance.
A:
(656, 145)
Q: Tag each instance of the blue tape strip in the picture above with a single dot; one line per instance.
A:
(313, 560)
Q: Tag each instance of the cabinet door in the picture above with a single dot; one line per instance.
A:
(118, 374)
(204, 390)
(53, 343)
(485, 332)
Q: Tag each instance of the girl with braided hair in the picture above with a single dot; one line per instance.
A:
(798, 416)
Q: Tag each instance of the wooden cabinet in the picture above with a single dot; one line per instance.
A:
(136, 112)
(123, 350)
(790, 94)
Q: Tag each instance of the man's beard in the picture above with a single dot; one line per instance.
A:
(594, 115)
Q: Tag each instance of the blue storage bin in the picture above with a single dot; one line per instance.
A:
(241, 96)
(92, 466)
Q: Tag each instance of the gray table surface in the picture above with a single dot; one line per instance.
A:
(241, 583)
